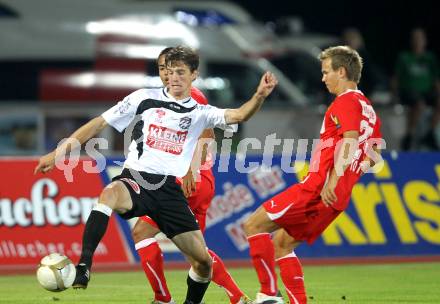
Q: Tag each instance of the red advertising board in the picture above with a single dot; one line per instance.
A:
(45, 213)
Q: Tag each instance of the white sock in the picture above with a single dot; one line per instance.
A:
(195, 277)
(103, 208)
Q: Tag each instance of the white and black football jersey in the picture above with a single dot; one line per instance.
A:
(164, 131)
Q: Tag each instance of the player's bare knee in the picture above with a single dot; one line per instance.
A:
(117, 197)
(251, 227)
(203, 265)
(258, 222)
(281, 250)
(137, 234)
(142, 231)
(284, 244)
(206, 260)
(109, 196)
(247, 227)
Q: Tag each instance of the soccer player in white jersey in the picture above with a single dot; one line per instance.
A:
(199, 191)
(165, 125)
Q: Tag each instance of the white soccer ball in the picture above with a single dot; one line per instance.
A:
(56, 272)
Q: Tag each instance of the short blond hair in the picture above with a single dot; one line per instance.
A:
(346, 57)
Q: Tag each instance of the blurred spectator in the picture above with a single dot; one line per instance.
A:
(24, 137)
(18, 135)
(372, 76)
(416, 84)
(58, 128)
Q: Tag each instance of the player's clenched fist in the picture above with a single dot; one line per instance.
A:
(267, 84)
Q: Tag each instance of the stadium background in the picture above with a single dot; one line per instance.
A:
(394, 214)
(384, 24)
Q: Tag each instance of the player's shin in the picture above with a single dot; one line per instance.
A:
(93, 232)
(152, 263)
(293, 278)
(262, 253)
(223, 278)
(197, 286)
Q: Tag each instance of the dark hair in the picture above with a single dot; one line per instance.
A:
(346, 57)
(165, 51)
(183, 54)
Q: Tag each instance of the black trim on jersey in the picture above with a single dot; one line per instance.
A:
(154, 103)
(138, 137)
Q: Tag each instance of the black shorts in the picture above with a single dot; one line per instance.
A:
(165, 204)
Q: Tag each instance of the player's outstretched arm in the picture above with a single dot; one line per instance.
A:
(249, 108)
(82, 135)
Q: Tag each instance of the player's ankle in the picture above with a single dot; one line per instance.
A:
(163, 299)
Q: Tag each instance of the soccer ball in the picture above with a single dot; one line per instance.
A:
(56, 272)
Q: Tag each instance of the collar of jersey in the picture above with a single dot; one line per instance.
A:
(350, 90)
(185, 101)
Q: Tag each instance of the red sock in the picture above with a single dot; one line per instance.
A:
(223, 278)
(293, 278)
(152, 263)
(262, 253)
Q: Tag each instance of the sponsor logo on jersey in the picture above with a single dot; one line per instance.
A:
(175, 106)
(166, 139)
(122, 107)
(185, 122)
(335, 120)
(160, 113)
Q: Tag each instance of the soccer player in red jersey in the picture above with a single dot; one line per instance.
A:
(349, 141)
(199, 191)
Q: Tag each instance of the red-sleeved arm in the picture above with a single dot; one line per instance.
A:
(198, 96)
(376, 132)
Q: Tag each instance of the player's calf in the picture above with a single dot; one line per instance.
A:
(145, 228)
(198, 281)
(114, 197)
(193, 246)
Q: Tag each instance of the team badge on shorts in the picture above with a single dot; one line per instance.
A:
(132, 184)
(185, 122)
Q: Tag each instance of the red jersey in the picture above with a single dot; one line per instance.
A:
(350, 111)
(206, 168)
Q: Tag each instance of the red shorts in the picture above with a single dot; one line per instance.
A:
(300, 212)
(199, 201)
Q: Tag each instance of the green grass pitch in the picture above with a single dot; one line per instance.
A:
(392, 283)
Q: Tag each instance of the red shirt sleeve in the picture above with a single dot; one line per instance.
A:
(347, 114)
(198, 96)
(376, 132)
